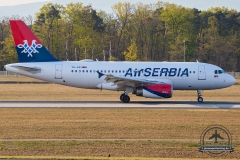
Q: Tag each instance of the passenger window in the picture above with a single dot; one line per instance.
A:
(72, 70)
(79, 71)
(83, 71)
(104, 71)
(123, 71)
(190, 72)
(76, 71)
(116, 71)
(119, 71)
(90, 71)
(194, 72)
(87, 71)
(109, 71)
(112, 71)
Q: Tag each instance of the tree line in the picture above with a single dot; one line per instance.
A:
(133, 32)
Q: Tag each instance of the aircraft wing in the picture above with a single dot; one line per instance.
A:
(129, 81)
(211, 137)
(28, 69)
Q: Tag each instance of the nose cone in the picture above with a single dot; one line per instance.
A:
(231, 80)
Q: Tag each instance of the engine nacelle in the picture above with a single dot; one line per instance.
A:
(155, 91)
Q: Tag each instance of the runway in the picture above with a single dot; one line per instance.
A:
(118, 104)
(106, 140)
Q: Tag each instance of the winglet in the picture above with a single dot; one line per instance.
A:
(100, 74)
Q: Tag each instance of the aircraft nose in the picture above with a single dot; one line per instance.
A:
(231, 80)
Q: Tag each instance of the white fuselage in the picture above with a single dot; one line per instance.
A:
(184, 75)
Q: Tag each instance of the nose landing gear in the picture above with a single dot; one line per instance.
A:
(200, 99)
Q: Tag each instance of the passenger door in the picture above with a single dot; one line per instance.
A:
(58, 71)
(201, 73)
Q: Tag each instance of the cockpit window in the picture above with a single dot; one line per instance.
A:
(219, 72)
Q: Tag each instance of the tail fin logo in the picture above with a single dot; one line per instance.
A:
(29, 49)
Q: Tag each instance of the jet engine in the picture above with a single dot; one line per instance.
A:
(155, 91)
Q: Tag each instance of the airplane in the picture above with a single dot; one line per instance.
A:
(216, 136)
(145, 79)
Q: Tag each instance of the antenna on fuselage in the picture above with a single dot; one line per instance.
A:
(197, 60)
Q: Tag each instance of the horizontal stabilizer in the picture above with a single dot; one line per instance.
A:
(28, 69)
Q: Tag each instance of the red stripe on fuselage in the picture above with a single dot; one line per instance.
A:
(166, 88)
(20, 32)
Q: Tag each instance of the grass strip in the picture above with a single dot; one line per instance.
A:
(94, 158)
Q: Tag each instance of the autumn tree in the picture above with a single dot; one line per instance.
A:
(123, 12)
(131, 54)
(136, 32)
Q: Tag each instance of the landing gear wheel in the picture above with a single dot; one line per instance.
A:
(121, 96)
(125, 99)
(200, 99)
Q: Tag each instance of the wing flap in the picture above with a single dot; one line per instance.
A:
(114, 78)
(123, 81)
(128, 81)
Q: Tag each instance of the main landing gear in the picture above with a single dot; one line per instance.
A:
(124, 98)
(200, 99)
